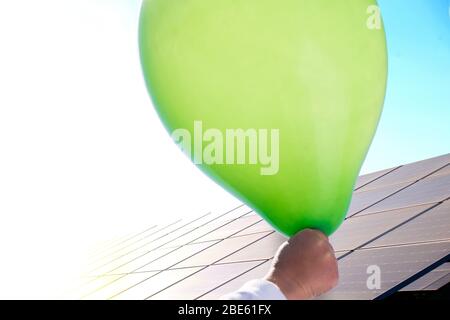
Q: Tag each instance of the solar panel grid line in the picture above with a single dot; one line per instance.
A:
(381, 200)
(364, 199)
(396, 227)
(420, 214)
(170, 233)
(115, 250)
(213, 220)
(439, 283)
(432, 189)
(123, 251)
(388, 210)
(175, 283)
(100, 250)
(117, 288)
(174, 265)
(263, 235)
(180, 227)
(213, 262)
(413, 278)
(162, 257)
(432, 226)
(429, 279)
(211, 226)
(202, 281)
(203, 269)
(373, 206)
(344, 254)
(411, 172)
(128, 237)
(397, 264)
(118, 278)
(377, 178)
(223, 233)
(261, 226)
(339, 255)
(234, 278)
(156, 249)
(102, 246)
(88, 289)
(179, 220)
(234, 262)
(444, 171)
(159, 228)
(406, 244)
(358, 230)
(243, 233)
(166, 261)
(265, 248)
(256, 272)
(236, 235)
(165, 227)
(395, 192)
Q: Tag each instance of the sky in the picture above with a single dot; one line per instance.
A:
(84, 157)
(416, 116)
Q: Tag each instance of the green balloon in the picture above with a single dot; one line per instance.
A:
(312, 70)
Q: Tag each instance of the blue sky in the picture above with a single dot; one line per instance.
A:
(416, 119)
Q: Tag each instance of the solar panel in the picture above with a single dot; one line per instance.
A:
(362, 200)
(127, 265)
(210, 226)
(231, 228)
(177, 255)
(256, 273)
(95, 284)
(431, 280)
(444, 171)
(263, 249)
(368, 178)
(396, 264)
(429, 190)
(117, 284)
(140, 252)
(205, 280)
(432, 225)
(261, 226)
(360, 230)
(410, 172)
(154, 283)
(115, 250)
(220, 250)
(399, 220)
(438, 284)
